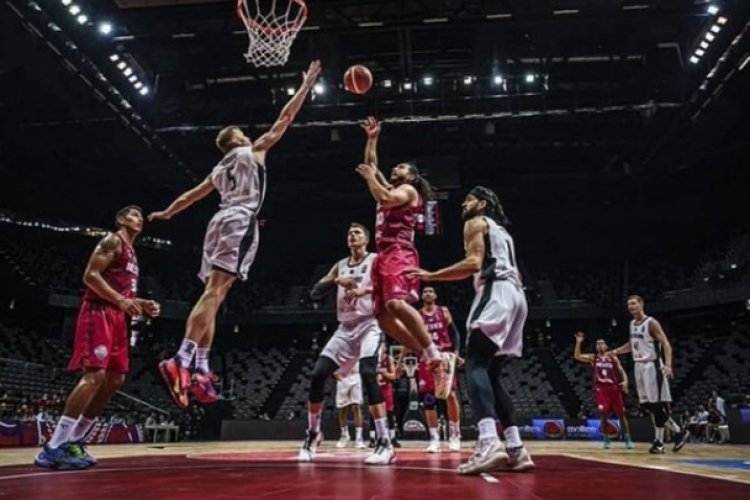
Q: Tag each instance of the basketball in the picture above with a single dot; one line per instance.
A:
(357, 79)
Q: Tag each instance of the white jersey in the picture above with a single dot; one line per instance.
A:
(500, 257)
(643, 345)
(363, 306)
(240, 179)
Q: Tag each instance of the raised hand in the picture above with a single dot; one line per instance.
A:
(371, 126)
(579, 336)
(367, 170)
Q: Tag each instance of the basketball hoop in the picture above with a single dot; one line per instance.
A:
(272, 28)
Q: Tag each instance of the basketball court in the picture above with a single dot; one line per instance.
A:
(266, 469)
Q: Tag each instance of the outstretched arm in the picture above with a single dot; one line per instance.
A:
(184, 201)
(325, 284)
(583, 358)
(623, 349)
(472, 263)
(372, 129)
(289, 112)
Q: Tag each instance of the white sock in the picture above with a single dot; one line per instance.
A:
(372, 434)
(81, 428)
(392, 434)
(381, 428)
(345, 432)
(62, 431)
(313, 420)
(487, 429)
(512, 437)
(660, 434)
(358, 433)
(186, 351)
(201, 359)
(455, 428)
(434, 434)
(431, 352)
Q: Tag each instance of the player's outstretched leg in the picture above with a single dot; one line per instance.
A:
(323, 369)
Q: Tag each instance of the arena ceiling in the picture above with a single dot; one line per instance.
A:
(615, 102)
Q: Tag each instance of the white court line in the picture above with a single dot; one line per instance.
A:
(489, 478)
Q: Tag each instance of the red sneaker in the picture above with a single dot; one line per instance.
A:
(177, 379)
(203, 387)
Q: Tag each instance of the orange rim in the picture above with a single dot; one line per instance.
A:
(251, 24)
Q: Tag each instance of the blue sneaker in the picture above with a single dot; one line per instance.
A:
(59, 459)
(78, 450)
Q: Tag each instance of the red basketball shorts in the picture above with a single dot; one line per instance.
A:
(101, 338)
(389, 279)
(609, 399)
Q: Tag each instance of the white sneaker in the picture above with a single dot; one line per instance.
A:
(360, 444)
(433, 447)
(487, 458)
(519, 459)
(382, 455)
(342, 442)
(309, 447)
(454, 443)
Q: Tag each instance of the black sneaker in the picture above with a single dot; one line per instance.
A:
(680, 439)
(657, 448)
(309, 447)
(372, 443)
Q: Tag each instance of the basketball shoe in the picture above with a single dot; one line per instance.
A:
(519, 459)
(434, 446)
(454, 443)
(203, 387)
(657, 448)
(78, 450)
(343, 441)
(383, 453)
(360, 444)
(488, 456)
(680, 439)
(177, 379)
(59, 458)
(309, 447)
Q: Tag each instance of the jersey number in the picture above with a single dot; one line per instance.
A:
(232, 179)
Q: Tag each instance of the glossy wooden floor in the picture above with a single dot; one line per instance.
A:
(268, 469)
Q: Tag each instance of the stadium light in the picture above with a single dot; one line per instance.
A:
(290, 91)
(468, 79)
(428, 80)
(82, 19)
(710, 37)
(694, 59)
(704, 45)
(143, 91)
(530, 78)
(715, 28)
(699, 52)
(74, 9)
(105, 28)
(133, 79)
(713, 9)
(319, 88)
(114, 58)
(67, 2)
(407, 85)
(137, 85)
(387, 84)
(722, 21)
(127, 71)
(497, 80)
(121, 65)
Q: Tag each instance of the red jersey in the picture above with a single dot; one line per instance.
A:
(396, 225)
(437, 325)
(605, 371)
(121, 274)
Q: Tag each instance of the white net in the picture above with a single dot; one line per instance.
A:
(272, 26)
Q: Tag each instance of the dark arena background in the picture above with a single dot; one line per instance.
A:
(616, 134)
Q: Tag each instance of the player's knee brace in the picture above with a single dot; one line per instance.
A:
(368, 371)
(429, 402)
(324, 368)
